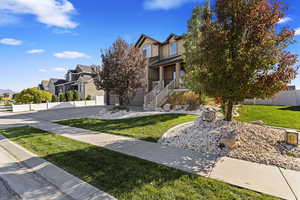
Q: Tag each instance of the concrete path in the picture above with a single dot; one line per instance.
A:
(6, 193)
(33, 178)
(258, 177)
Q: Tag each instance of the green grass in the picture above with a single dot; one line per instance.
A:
(124, 177)
(149, 128)
(281, 116)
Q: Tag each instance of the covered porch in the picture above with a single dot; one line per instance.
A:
(162, 75)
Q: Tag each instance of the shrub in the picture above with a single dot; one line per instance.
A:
(191, 99)
(88, 98)
(32, 95)
(77, 96)
(54, 98)
(62, 97)
(120, 108)
(69, 96)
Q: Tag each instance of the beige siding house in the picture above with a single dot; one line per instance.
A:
(165, 71)
(80, 79)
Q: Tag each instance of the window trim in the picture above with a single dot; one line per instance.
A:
(170, 49)
(145, 47)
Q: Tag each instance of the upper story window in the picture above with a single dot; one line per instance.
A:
(147, 50)
(173, 48)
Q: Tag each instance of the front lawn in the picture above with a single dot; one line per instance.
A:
(123, 176)
(281, 116)
(149, 128)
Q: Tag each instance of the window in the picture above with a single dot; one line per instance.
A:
(147, 50)
(173, 48)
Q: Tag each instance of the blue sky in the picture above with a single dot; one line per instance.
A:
(42, 39)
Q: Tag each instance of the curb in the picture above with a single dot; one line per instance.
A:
(65, 182)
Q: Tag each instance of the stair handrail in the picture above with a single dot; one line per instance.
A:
(150, 97)
(165, 92)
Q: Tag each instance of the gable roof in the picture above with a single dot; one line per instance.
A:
(86, 69)
(142, 39)
(176, 37)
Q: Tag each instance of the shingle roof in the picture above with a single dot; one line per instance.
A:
(59, 81)
(86, 69)
(165, 61)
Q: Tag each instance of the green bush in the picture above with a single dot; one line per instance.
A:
(62, 98)
(69, 96)
(77, 96)
(88, 98)
(54, 98)
(32, 95)
(191, 99)
(119, 108)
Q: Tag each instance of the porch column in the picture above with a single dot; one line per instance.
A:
(161, 73)
(177, 80)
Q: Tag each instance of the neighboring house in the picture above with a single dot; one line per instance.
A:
(165, 71)
(79, 79)
(52, 85)
(43, 85)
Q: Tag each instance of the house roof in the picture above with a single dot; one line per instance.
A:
(86, 69)
(159, 62)
(60, 81)
(143, 37)
(176, 37)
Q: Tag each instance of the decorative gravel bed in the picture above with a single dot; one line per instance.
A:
(256, 143)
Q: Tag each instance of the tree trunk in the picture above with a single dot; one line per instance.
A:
(229, 111)
(107, 97)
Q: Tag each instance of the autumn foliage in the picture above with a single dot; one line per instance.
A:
(236, 51)
(122, 72)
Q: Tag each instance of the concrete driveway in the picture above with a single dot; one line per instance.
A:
(9, 119)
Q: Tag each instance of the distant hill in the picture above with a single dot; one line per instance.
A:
(6, 91)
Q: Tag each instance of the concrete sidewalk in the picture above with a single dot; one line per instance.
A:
(258, 177)
(33, 178)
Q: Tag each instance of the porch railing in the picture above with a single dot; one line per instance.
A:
(156, 99)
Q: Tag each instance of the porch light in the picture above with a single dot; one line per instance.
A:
(292, 137)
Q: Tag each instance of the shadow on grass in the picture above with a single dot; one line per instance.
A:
(125, 127)
(291, 108)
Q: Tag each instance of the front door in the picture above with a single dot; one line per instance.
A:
(169, 74)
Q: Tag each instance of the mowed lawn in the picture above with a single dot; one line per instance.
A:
(124, 177)
(281, 116)
(149, 128)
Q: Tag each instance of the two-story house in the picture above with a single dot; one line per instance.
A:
(80, 79)
(165, 71)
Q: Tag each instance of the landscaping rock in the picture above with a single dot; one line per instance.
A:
(230, 140)
(209, 115)
(258, 122)
(240, 140)
(167, 107)
(178, 107)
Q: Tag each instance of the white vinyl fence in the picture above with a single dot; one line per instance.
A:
(284, 98)
(99, 101)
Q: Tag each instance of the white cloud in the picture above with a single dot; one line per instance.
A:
(71, 55)
(59, 69)
(33, 51)
(164, 4)
(284, 20)
(10, 41)
(297, 31)
(42, 70)
(51, 12)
